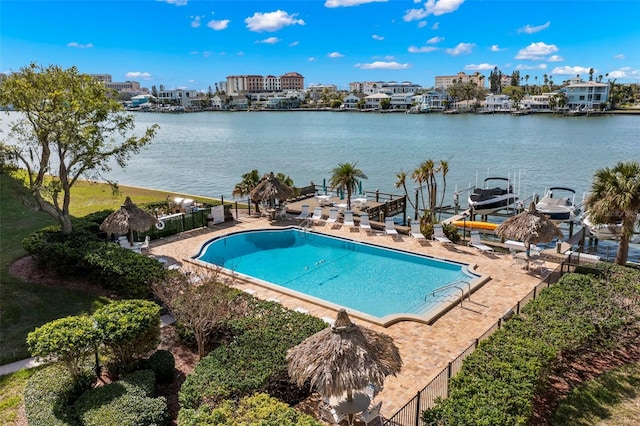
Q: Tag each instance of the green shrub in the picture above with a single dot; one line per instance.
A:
(130, 328)
(49, 394)
(163, 364)
(127, 402)
(259, 409)
(253, 360)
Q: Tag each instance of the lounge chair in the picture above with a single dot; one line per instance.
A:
(317, 215)
(333, 216)
(415, 231)
(364, 222)
(370, 413)
(329, 414)
(348, 219)
(144, 245)
(477, 243)
(438, 234)
(304, 213)
(390, 227)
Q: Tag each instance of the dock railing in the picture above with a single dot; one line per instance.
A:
(411, 413)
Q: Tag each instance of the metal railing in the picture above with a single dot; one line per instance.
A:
(410, 414)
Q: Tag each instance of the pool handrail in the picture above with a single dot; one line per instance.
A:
(453, 285)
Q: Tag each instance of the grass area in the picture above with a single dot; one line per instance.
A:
(11, 399)
(613, 399)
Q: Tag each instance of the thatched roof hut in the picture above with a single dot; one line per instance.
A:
(128, 218)
(344, 358)
(270, 189)
(530, 227)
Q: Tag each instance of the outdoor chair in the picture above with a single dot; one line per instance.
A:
(438, 234)
(144, 245)
(370, 413)
(282, 212)
(304, 212)
(328, 414)
(348, 219)
(415, 231)
(364, 222)
(333, 216)
(390, 227)
(317, 215)
(478, 244)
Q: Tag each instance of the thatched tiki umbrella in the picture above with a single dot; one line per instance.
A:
(530, 227)
(343, 358)
(127, 219)
(270, 189)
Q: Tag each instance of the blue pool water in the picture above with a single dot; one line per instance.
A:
(366, 278)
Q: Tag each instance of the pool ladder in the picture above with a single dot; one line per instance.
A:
(455, 284)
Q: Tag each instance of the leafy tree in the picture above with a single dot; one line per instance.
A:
(130, 328)
(71, 127)
(495, 78)
(615, 197)
(199, 303)
(345, 177)
(385, 103)
(249, 181)
(68, 339)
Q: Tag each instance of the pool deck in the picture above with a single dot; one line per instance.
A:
(425, 349)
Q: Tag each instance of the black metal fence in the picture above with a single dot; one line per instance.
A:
(438, 387)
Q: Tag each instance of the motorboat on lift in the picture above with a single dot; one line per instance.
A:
(487, 200)
(610, 231)
(557, 206)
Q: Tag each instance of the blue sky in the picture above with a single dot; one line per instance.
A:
(195, 43)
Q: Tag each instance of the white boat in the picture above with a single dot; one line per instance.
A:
(558, 206)
(488, 200)
(610, 231)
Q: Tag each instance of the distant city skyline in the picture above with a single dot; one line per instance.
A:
(195, 43)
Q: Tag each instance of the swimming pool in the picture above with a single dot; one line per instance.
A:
(382, 285)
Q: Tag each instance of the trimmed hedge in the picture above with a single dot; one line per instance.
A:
(254, 360)
(49, 394)
(126, 273)
(127, 402)
(259, 409)
(163, 364)
(498, 382)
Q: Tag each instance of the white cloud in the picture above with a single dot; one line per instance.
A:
(389, 58)
(462, 48)
(620, 56)
(480, 67)
(335, 55)
(311, 59)
(414, 15)
(294, 43)
(496, 48)
(537, 51)
(377, 37)
(218, 25)
(436, 26)
(625, 72)
(423, 49)
(440, 7)
(532, 67)
(380, 65)
(555, 58)
(434, 40)
(528, 29)
(348, 3)
(138, 74)
(570, 70)
(196, 21)
(269, 40)
(80, 46)
(422, 24)
(176, 2)
(272, 21)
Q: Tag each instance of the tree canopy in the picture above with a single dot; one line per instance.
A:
(346, 177)
(71, 126)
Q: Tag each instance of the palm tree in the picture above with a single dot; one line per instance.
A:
(401, 182)
(615, 197)
(444, 169)
(249, 181)
(345, 177)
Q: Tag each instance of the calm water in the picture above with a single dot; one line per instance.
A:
(369, 279)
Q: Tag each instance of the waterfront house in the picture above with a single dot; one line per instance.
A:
(429, 101)
(373, 101)
(497, 103)
(351, 100)
(401, 100)
(586, 95)
(140, 100)
(535, 103)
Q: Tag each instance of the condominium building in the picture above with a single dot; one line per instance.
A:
(240, 84)
(443, 82)
(388, 87)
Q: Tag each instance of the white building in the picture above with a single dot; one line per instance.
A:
(388, 87)
(374, 101)
(443, 82)
(497, 103)
(401, 100)
(430, 101)
(586, 95)
(351, 100)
